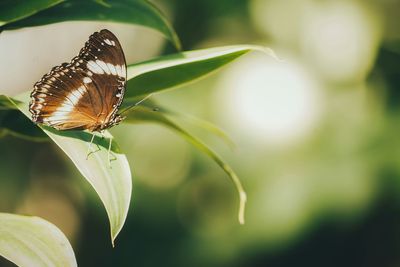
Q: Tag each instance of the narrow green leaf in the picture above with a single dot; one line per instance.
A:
(177, 69)
(3, 132)
(206, 125)
(140, 12)
(34, 242)
(112, 183)
(102, 2)
(12, 10)
(145, 114)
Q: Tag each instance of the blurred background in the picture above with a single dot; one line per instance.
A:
(316, 136)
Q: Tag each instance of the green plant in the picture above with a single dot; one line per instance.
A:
(113, 185)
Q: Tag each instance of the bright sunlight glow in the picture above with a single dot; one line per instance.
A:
(341, 39)
(274, 102)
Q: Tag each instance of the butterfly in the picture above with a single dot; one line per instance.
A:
(86, 93)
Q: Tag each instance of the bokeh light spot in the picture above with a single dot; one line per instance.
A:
(273, 102)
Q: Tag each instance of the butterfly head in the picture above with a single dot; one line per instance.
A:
(112, 122)
(116, 120)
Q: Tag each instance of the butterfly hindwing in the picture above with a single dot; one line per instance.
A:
(61, 100)
(86, 93)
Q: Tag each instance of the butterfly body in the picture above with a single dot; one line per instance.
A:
(86, 93)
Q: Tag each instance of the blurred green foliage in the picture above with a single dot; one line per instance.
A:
(330, 197)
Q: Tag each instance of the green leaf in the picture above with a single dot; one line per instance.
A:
(12, 10)
(177, 69)
(112, 181)
(32, 241)
(5, 104)
(144, 114)
(13, 122)
(140, 12)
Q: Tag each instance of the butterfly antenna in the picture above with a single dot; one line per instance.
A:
(136, 104)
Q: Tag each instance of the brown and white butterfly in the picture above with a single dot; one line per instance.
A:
(86, 93)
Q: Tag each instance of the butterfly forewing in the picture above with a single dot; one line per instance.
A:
(86, 93)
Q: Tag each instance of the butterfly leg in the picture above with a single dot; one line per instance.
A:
(89, 152)
(89, 147)
(110, 153)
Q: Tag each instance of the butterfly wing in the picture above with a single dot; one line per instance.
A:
(62, 100)
(104, 62)
(86, 93)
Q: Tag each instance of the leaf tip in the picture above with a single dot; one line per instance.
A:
(272, 53)
(177, 43)
(113, 237)
(266, 50)
(242, 206)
